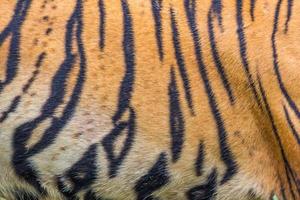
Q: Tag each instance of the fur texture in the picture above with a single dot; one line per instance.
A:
(149, 99)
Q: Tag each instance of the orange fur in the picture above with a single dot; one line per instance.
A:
(250, 135)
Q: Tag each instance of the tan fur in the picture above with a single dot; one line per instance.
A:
(254, 146)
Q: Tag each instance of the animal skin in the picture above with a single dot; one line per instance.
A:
(149, 99)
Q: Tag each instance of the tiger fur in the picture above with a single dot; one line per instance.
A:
(149, 99)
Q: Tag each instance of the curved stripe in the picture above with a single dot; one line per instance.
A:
(114, 158)
(276, 66)
(81, 175)
(157, 177)
(225, 151)
(288, 169)
(14, 30)
(22, 165)
(181, 62)
(127, 83)
(205, 191)
(123, 125)
(243, 48)
(217, 59)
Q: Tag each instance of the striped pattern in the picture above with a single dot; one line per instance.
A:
(213, 82)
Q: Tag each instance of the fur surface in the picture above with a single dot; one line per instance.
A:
(149, 99)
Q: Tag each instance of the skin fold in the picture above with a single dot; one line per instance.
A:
(149, 99)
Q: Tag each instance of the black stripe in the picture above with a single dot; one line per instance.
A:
(216, 57)
(181, 63)
(74, 29)
(288, 169)
(289, 14)
(13, 31)
(82, 174)
(243, 48)
(252, 9)
(156, 11)
(12, 108)
(225, 150)
(290, 101)
(90, 195)
(116, 159)
(23, 167)
(102, 15)
(205, 191)
(177, 128)
(157, 177)
(15, 102)
(38, 64)
(291, 125)
(123, 125)
(129, 54)
(216, 9)
(200, 159)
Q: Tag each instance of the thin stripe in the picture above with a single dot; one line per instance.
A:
(217, 59)
(127, 83)
(200, 159)
(243, 48)
(289, 14)
(181, 63)
(276, 66)
(102, 16)
(291, 125)
(225, 151)
(288, 168)
(156, 10)
(252, 9)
